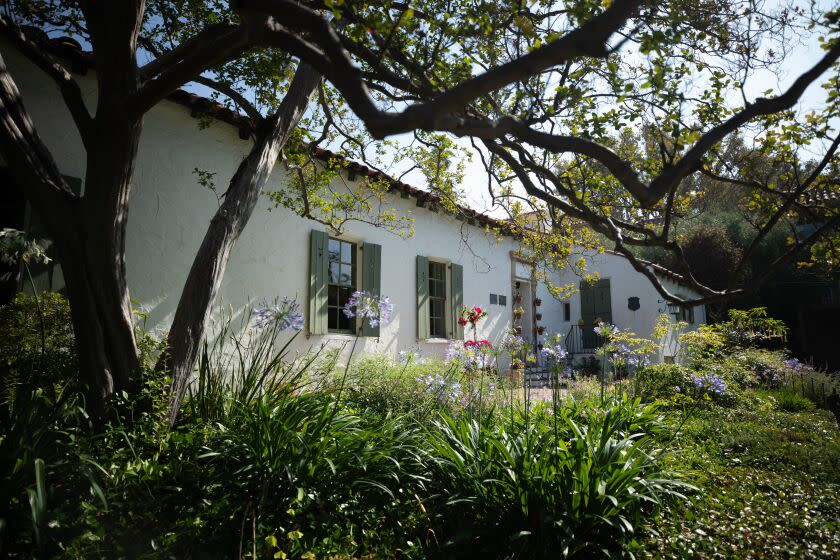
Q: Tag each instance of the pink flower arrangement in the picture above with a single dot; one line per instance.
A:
(471, 316)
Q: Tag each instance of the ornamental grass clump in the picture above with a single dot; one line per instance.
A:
(497, 491)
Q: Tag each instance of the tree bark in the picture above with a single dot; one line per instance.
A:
(205, 276)
(88, 232)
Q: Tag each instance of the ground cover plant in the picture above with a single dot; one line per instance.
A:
(324, 456)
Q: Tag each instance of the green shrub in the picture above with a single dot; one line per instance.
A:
(22, 359)
(660, 380)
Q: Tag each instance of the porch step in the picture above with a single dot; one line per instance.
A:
(537, 378)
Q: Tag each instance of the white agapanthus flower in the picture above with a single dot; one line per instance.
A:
(15, 247)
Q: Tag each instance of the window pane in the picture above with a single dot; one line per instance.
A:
(346, 277)
(437, 300)
(436, 327)
(334, 250)
(332, 318)
(436, 308)
(345, 323)
(342, 256)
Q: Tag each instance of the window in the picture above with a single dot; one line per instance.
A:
(341, 284)
(567, 311)
(437, 300)
(502, 300)
(440, 297)
(687, 314)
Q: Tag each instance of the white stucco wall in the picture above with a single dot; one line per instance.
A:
(169, 213)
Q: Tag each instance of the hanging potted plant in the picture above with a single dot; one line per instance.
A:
(517, 312)
(517, 297)
(580, 322)
(538, 316)
(518, 329)
(537, 302)
(541, 329)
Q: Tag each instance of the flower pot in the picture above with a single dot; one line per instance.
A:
(541, 330)
(518, 329)
(538, 316)
(537, 302)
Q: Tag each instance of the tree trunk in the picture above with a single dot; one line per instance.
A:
(102, 324)
(205, 276)
(89, 229)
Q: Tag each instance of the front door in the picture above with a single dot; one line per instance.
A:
(595, 307)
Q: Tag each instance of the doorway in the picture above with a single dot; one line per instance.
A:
(523, 299)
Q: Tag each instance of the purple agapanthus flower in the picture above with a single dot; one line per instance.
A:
(285, 315)
(794, 365)
(444, 391)
(710, 384)
(455, 351)
(554, 353)
(376, 310)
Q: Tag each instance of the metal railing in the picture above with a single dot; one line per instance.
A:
(583, 340)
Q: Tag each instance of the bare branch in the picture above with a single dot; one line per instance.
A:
(692, 159)
(28, 158)
(70, 91)
(790, 200)
(249, 108)
(185, 63)
(325, 51)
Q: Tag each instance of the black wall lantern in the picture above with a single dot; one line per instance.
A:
(633, 303)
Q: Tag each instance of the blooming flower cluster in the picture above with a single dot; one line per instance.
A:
(406, 356)
(471, 316)
(794, 366)
(514, 344)
(437, 386)
(710, 384)
(483, 345)
(554, 353)
(604, 329)
(286, 315)
(455, 352)
(15, 248)
(633, 360)
(376, 310)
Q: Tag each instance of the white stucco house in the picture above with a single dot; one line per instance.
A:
(448, 262)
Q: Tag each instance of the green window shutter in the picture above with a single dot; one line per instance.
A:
(603, 301)
(422, 297)
(371, 279)
(318, 282)
(456, 299)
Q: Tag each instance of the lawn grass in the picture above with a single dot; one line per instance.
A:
(770, 487)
